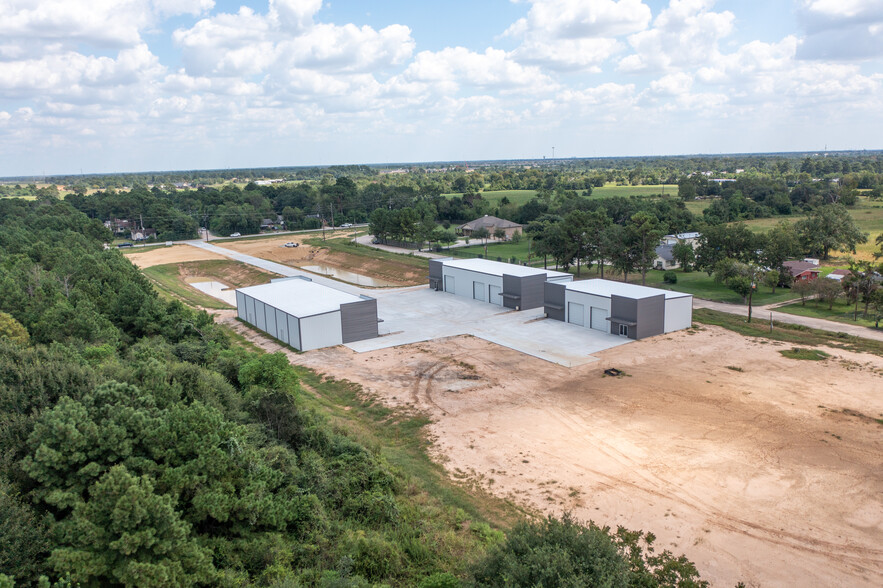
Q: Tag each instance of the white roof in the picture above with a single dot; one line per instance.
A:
(608, 288)
(498, 268)
(300, 298)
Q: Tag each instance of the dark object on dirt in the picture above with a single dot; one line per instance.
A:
(612, 372)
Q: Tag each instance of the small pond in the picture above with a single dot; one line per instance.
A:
(347, 276)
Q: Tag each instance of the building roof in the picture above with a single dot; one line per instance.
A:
(299, 297)
(490, 223)
(839, 274)
(798, 267)
(608, 288)
(666, 252)
(498, 268)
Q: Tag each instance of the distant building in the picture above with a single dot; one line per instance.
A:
(839, 275)
(491, 223)
(802, 270)
(143, 234)
(665, 258)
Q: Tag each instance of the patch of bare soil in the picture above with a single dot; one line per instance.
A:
(173, 254)
(234, 274)
(759, 468)
(274, 250)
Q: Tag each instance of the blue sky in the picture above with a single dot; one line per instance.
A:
(105, 86)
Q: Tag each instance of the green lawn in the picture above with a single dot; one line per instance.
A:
(697, 206)
(841, 312)
(167, 280)
(611, 189)
(506, 250)
(868, 215)
(699, 284)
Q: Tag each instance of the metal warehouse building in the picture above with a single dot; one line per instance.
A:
(306, 315)
(618, 308)
(505, 284)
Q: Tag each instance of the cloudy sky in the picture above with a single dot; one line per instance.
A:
(134, 85)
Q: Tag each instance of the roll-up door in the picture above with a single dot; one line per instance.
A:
(599, 319)
(495, 297)
(449, 284)
(478, 289)
(576, 314)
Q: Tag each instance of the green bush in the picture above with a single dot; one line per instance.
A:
(442, 580)
(670, 277)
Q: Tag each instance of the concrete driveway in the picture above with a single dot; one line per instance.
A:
(422, 315)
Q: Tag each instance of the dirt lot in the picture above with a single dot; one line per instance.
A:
(398, 273)
(730, 453)
(232, 273)
(173, 254)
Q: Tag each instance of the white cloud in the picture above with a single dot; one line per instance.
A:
(841, 30)
(494, 68)
(685, 34)
(107, 23)
(674, 84)
(576, 34)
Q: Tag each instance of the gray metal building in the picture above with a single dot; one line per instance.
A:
(504, 284)
(306, 315)
(618, 308)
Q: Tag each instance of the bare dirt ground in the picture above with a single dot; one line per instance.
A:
(173, 254)
(232, 273)
(401, 274)
(759, 468)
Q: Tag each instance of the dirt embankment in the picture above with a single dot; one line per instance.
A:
(759, 468)
(396, 272)
(173, 254)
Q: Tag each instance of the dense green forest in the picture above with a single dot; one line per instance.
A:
(139, 446)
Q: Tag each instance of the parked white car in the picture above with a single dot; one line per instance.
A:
(235, 234)
(292, 244)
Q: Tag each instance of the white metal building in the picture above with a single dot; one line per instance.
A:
(306, 315)
(619, 308)
(505, 284)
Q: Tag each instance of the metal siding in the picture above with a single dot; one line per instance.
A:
(464, 279)
(626, 309)
(294, 332)
(358, 320)
(511, 285)
(260, 317)
(270, 317)
(651, 314)
(240, 306)
(321, 330)
(532, 291)
(479, 291)
(678, 314)
(450, 284)
(250, 311)
(282, 327)
(554, 294)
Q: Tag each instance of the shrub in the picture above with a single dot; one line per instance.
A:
(670, 277)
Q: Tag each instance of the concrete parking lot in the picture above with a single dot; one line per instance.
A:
(421, 314)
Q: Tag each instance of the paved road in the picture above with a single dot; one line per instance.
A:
(366, 240)
(762, 313)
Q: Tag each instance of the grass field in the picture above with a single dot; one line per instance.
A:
(797, 334)
(841, 312)
(170, 279)
(868, 215)
(346, 245)
(610, 190)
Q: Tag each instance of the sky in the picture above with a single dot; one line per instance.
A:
(99, 86)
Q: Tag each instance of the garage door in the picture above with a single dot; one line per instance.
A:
(599, 319)
(478, 289)
(495, 295)
(449, 284)
(576, 314)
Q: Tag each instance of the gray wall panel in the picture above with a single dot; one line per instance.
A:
(532, 293)
(626, 309)
(436, 269)
(250, 311)
(553, 294)
(358, 320)
(270, 318)
(511, 287)
(294, 332)
(240, 306)
(260, 317)
(282, 327)
(651, 316)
